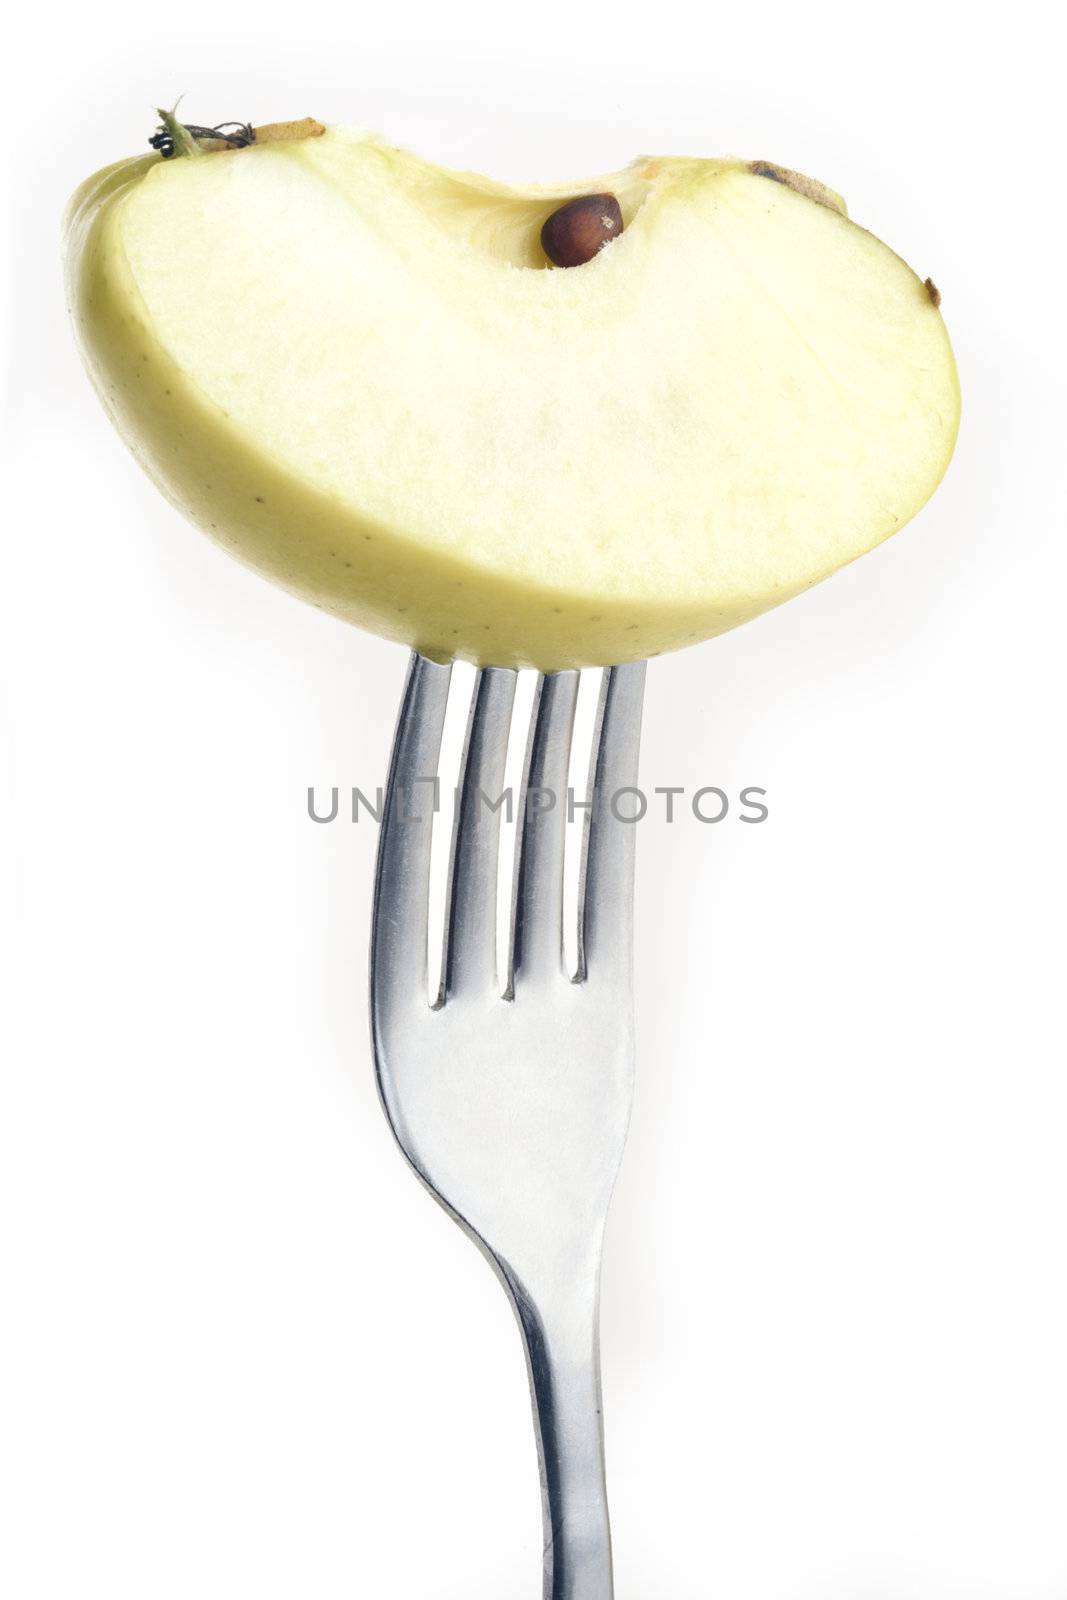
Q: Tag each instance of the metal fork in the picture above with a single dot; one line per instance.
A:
(512, 1107)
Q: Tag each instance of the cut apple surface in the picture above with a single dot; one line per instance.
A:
(360, 374)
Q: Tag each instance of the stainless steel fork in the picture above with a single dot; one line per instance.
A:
(512, 1106)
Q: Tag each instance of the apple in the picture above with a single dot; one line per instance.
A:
(362, 374)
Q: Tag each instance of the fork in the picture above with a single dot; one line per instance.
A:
(511, 1102)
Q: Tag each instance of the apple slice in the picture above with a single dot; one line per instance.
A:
(360, 373)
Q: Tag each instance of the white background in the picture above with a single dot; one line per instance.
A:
(242, 1354)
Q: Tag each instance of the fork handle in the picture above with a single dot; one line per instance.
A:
(563, 1357)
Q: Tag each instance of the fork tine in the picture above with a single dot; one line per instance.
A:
(605, 896)
(470, 932)
(401, 888)
(537, 910)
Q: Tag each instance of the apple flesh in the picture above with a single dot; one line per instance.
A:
(358, 372)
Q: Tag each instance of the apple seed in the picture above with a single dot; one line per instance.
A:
(580, 229)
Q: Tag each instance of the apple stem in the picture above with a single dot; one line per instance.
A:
(174, 138)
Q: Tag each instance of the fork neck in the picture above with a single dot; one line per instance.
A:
(563, 1358)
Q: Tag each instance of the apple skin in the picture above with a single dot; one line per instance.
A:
(329, 551)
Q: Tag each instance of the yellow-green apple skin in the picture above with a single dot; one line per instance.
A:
(357, 372)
